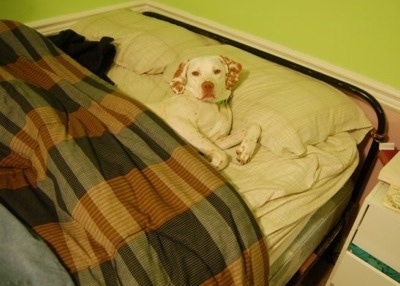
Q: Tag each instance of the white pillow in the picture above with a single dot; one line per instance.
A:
(294, 110)
(144, 44)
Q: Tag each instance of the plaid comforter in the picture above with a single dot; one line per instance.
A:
(118, 197)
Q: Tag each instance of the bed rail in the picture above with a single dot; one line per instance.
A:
(377, 135)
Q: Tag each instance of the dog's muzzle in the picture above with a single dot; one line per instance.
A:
(207, 89)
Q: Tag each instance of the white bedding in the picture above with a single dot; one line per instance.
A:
(308, 148)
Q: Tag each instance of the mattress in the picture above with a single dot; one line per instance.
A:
(301, 161)
(273, 186)
(309, 237)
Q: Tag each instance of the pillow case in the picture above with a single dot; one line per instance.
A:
(294, 110)
(144, 44)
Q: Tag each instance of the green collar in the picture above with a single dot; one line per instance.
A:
(222, 101)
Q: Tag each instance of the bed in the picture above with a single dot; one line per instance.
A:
(115, 197)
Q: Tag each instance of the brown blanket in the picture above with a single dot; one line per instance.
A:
(114, 192)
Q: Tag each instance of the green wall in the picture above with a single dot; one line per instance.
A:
(358, 35)
(33, 10)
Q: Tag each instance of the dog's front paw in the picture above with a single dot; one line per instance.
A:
(219, 160)
(245, 151)
(248, 146)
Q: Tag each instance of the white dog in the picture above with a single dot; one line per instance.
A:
(199, 111)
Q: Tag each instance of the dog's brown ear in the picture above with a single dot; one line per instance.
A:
(178, 82)
(233, 70)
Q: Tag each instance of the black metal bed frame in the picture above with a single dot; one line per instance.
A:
(378, 134)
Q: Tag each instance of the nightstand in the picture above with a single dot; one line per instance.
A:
(375, 237)
(386, 155)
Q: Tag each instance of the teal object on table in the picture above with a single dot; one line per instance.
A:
(374, 262)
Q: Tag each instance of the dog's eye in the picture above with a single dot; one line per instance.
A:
(217, 71)
(195, 73)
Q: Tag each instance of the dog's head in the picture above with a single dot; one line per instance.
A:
(208, 78)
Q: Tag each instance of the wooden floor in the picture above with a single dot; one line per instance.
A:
(319, 274)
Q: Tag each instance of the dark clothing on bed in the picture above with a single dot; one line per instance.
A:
(96, 56)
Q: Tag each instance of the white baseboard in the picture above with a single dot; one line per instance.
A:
(388, 96)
